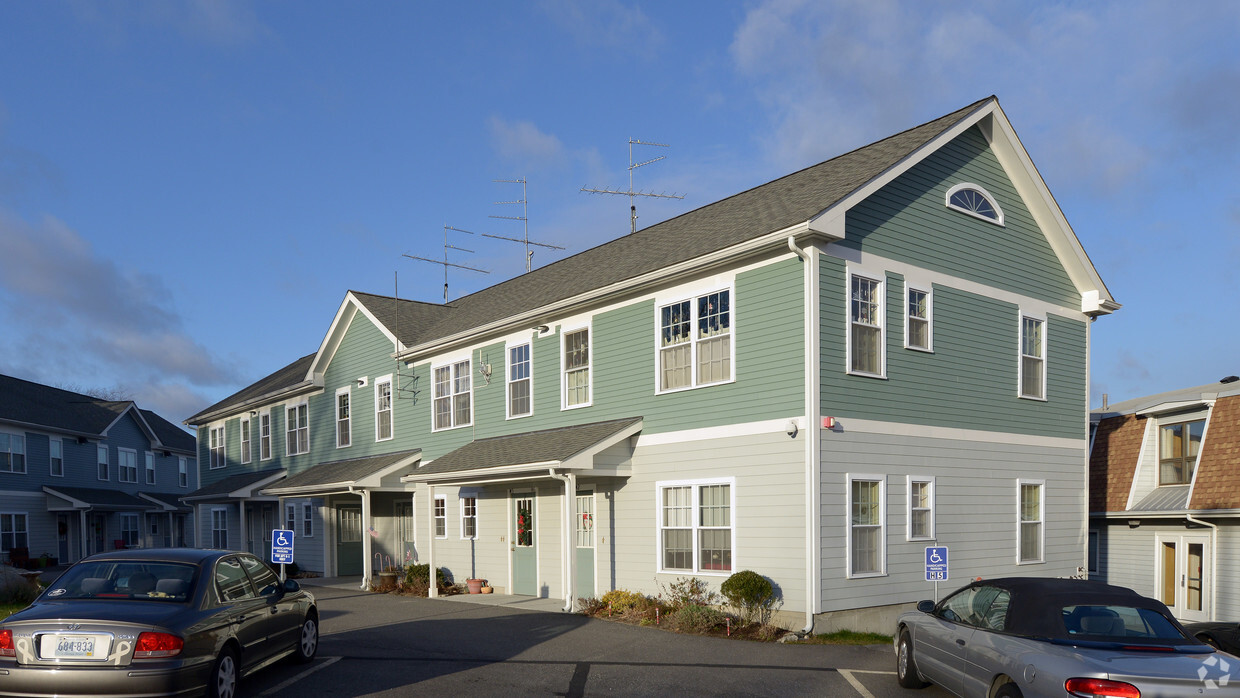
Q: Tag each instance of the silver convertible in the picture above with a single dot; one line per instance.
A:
(1025, 637)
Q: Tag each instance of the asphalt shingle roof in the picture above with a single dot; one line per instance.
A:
(103, 498)
(286, 377)
(344, 471)
(34, 403)
(548, 445)
(170, 434)
(230, 484)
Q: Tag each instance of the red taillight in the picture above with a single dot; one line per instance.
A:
(1100, 688)
(150, 645)
(6, 644)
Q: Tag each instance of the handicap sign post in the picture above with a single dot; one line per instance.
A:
(282, 548)
(936, 567)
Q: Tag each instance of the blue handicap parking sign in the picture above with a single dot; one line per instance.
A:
(282, 547)
(936, 564)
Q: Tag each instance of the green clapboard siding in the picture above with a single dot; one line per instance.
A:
(970, 381)
(908, 220)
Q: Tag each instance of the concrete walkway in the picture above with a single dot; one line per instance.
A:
(529, 603)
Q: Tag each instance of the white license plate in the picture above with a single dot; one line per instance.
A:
(74, 647)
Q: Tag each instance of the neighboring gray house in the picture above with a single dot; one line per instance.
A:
(814, 379)
(79, 475)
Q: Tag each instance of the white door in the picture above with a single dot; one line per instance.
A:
(1183, 575)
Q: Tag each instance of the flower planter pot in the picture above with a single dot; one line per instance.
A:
(475, 585)
(487, 590)
(387, 579)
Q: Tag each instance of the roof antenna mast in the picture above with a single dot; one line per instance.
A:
(445, 261)
(631, 192)
(524, 218)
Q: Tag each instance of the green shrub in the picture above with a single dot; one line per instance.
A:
(418, 577)
(688, 591)
(695, 619)
(18, 594)
(751, 595)
(621, 600)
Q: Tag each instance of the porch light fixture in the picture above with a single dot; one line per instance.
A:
(792, 429)
(1133, 523)
(541, 329)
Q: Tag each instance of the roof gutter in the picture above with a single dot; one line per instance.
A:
(206, 417)
(813, 435)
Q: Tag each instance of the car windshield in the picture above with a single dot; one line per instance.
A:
(125, 579)
(1116, 623)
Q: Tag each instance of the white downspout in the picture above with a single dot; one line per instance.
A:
(813, 434)
(1188, 515)
(430, 541)
(567, 550)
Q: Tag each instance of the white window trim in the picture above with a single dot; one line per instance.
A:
(909, 508)
(994, 203)
(136, 530)
(290, 517)
(695, 487)
(436, 507)
(25, 465)
(381, 380)
(508, 379)
(247, 442)
(307, 514)
(1042, 521)
(51, 457)
(223, 447)
(336, 415)
(881, 280)
(461, 499)
(120, 465)
(849, 478)
(694, 341)
(224, 511)
(290, 443)
(182, 469)
(929, 291)
(451, 366)
(265, 414)
(564, 332)
(1020, 355)
(102, 449)
(149, 464)
(26, 516)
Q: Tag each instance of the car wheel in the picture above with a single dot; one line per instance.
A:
(906, 668)
(308, 643)
(223, 681)
(1008, 690)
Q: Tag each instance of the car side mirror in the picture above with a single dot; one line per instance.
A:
(291, 585)
(925, 606)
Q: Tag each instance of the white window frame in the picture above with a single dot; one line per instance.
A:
(9, 451)
(881, 293)
(290, 516)
(292, 445)
(307, 519)
(130, 537)
(930, 532)
(183, 471)
(219, 535)
(460, 369)
(1021, 356)
(909, 289)
(994, 203)
(508, 380)
(695, 487)
(440, 516)
(264, 438)
(344, 426)
(881, 480)
(406, 522)
(464, 500)
(588, 368)
(150, 468)
(245, 440)
(1041, 521)
(8, 539)
(694, 341)
(56, 452)
(1093, 550)
(216, 445)
(103, 460)
(126, 473)
(390, 408)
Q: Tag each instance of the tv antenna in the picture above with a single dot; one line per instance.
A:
(445, 261)
(524, 218)
(631, 192)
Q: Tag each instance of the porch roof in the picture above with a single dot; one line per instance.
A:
(242, 486)
(362, 473)
(97, 499)
(166, 501)
(517, 455)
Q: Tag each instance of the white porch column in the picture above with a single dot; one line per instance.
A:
(85, 534)
(245, 531)
(430, 539)
(570, 539)
(366, 538)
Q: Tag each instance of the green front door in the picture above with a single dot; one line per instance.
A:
(348, 541)
(524, 551)
(584, 583)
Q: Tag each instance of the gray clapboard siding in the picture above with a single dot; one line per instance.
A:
(1227, 602)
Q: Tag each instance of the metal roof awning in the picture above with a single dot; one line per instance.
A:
(370, 473)
(530, 454)
(82, 498)
(243, 486)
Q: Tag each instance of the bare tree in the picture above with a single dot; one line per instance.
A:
(117, 393)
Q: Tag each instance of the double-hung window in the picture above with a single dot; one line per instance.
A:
(469, 517)
(129, 530)
(452, 395)
(383, 408)
(520, 382)
(182, 471)
(126, 465)
(307, 519)
(104, 463)
(57, 455)
(245, 440)
(216, 446)
(867, 525)
(696, 526)
(264, 436)
(576, 367)
(920, 508)
(344, 429)
(290, 516)
(1032, 358)
(917, 310)
(13, 532)
(150, 468)
(441, 516)
(865, 326)
(12, 453)
(297, 429)
(695, 341)
(1178, 446)
(1030, 530)
(219, 528)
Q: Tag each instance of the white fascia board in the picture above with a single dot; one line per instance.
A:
(506, 470)
(1164, 407)
(585, 459)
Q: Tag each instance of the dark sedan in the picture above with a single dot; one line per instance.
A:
(1219, 635)
(159, 622)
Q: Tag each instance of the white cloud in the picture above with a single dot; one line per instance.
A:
(521, 140)
(221, 22)
(606, 23)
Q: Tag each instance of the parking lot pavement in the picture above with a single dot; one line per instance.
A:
(383, 645)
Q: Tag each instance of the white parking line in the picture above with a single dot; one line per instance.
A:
(328, 662)
(848, 674)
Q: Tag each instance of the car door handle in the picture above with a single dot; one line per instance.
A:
(960, 642)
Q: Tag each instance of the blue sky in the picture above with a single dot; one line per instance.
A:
(188, 189)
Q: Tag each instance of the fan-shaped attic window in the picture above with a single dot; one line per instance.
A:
(975, 201)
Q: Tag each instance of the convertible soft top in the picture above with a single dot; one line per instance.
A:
(1036, 604)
